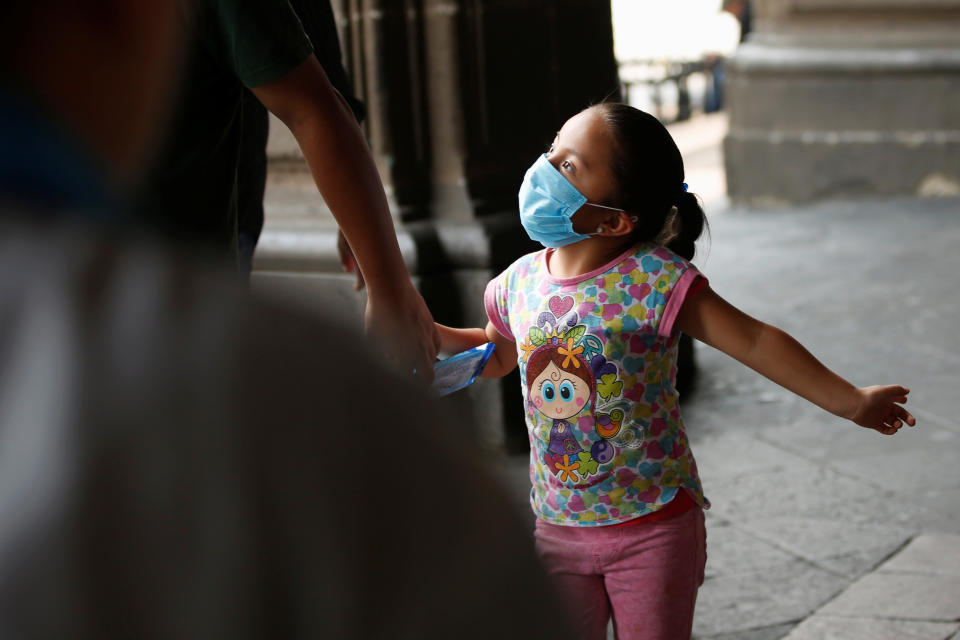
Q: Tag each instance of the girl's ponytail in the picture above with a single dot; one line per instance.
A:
(683, 226)
(648, 170)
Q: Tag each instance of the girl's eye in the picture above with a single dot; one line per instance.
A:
(550, 149)
(566, 165)
(549, 392)
(566, 390)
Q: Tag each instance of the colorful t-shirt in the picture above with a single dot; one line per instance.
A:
(597, 356)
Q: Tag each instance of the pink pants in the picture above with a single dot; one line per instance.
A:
(645, 575)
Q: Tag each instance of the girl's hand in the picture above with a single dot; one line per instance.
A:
(879, 408)
(504, 358)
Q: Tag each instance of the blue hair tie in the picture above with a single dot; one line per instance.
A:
(681, 195)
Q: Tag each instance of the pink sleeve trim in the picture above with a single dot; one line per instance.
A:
(690, 282)
(493, 311)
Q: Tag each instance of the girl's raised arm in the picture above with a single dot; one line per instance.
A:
(503, 360)
(779, 357)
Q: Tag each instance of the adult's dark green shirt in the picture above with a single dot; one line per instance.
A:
(191, 192)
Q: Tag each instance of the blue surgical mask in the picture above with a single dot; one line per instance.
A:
(547, 204)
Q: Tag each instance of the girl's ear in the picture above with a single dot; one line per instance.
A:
(620, 223)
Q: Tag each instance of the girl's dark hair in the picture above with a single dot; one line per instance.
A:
(649, 175)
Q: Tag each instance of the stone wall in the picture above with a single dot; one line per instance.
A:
(845, 98)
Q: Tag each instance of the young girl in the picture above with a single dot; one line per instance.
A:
(593, 323)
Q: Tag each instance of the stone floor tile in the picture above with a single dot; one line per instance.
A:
(937, 511)
(780, 594)
(834, 444)
(820, 627)
(738, 454)
(775, 632)
(858, 563)
(931, 466)
(730, 550)
(928, 553)
(850, 548)
(900, 596)
(806, 490)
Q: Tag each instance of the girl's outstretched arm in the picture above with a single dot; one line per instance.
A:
(504, 358)
(776, 355)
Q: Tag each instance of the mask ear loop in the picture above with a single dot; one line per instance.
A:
(633, 219)
(602, 206)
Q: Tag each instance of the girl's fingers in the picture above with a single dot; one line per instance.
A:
(898, 391)
(896, 420)
(906, 416)
(887, 400)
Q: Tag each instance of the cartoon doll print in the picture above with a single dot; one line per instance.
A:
(562, 364)
(561, 387)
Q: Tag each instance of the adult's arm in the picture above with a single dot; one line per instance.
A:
(343, 170)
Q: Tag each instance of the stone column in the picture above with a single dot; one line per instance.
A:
(845, 98)
(501, 78)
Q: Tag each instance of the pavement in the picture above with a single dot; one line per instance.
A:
(819, 528)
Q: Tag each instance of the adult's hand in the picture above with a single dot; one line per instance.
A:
(400, 321)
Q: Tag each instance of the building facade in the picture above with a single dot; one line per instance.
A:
(845, 98)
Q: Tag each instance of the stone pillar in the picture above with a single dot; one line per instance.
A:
(501, 79)
(462, 95)
(845, 98)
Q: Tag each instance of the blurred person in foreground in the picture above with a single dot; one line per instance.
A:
(180, 460)
(191, 190)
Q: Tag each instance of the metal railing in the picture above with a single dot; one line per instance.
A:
(656, 75)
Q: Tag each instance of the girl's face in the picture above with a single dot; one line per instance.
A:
(558, 394)
(582, 152)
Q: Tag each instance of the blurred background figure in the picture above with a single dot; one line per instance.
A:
(175, 457)
(736, 19)
(742, 10)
